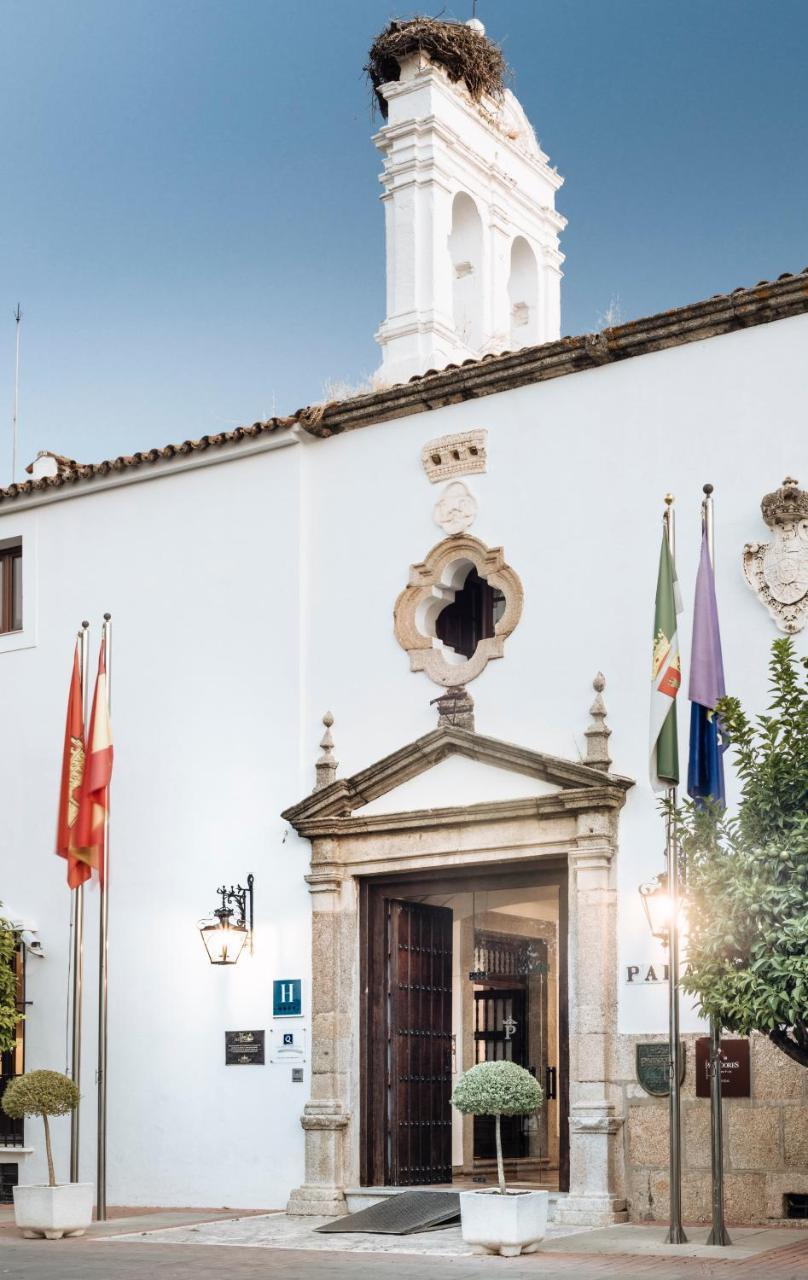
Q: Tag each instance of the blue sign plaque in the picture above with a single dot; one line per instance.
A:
(287, 998)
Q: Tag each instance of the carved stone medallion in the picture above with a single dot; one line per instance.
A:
(777, 571)
(456, 508)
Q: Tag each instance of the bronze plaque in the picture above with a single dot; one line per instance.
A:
(244, 1048)
(653, 1067)
(734, 1068)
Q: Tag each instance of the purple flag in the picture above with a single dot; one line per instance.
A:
(706, 662)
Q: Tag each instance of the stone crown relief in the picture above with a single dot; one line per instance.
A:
(458, 455)
(432, 586)
(777, 571)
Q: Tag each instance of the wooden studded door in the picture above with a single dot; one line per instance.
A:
(418, 1146)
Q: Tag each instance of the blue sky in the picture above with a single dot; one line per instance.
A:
(190, 216)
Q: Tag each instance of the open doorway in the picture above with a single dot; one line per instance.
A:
(458, 968)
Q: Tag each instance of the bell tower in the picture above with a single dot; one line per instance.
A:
(471, 229)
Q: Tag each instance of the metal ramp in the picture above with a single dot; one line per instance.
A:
(402, 1215)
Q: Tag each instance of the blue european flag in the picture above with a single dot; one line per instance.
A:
(705, 766)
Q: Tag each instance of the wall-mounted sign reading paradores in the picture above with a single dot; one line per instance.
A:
(287, 998)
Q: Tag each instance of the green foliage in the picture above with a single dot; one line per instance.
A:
(40, 1093)
(748, 874)
(9, 1016)
(497, 1089)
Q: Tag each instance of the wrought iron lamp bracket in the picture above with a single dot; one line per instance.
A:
(243, 899)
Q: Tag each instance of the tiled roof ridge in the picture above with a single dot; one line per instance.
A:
(723, 313)
(62, 463)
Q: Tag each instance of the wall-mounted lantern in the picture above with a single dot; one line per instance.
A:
(657, 906)
(225, 937)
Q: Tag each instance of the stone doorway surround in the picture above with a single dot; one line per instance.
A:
(575, 819)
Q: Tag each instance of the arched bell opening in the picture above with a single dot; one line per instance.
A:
(523, 294)
(465, 252)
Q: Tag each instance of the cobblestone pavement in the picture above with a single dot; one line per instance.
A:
(104, 1259)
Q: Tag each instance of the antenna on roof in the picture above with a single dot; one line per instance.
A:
(15, 419)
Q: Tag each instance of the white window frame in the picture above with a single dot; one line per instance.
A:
(11, 641)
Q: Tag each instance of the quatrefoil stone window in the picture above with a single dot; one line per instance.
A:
(461, 604)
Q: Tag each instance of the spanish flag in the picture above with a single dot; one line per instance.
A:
(94, 797)
(72, 778)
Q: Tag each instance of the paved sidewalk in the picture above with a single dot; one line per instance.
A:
(124, 1218)
(211, 1244)
(104, 1259)
(278, 1231)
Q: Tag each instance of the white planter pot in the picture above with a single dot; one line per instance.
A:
(53, 1212)
(509, 1225)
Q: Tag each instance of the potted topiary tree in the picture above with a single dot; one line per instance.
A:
(501, 1221)
(58, 1209)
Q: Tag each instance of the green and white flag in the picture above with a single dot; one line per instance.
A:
(666, 674)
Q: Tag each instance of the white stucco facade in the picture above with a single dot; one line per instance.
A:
(250, 595)
(257, 581)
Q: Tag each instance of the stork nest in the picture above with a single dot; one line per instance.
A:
(460, 50)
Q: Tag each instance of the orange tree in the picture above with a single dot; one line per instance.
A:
(748, 872)
(9, 1014)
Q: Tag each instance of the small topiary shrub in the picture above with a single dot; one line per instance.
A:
(41, 1093)
(498, 1089)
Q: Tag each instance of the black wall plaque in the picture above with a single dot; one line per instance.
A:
(653, 1067)
(244, 1048)
(734, 1068)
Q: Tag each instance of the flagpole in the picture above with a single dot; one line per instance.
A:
(78, 937)
(101, 1164)
(719, 1234)
(676, 1234)
(16, 417)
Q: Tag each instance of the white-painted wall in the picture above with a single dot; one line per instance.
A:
(200, 574)
(251, 596)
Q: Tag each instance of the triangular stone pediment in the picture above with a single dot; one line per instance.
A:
(452, 781)
(373, 789)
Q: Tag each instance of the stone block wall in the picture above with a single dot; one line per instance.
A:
(765, 1139)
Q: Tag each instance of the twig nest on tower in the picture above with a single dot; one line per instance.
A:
(458, 47)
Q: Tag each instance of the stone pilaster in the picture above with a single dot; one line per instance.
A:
(596, 1149)
(596, 1157)
(326, 1116)
(323, 1192)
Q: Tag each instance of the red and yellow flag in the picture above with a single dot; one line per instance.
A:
(72, 778)
(94, 797)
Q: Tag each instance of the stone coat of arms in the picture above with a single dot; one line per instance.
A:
(777, 571)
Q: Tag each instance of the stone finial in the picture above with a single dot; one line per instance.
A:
(455, 708)
(597, 735)
(326, 767)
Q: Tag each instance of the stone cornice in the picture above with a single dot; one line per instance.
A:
(437, 79)
(563, 803)
(580, 787)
